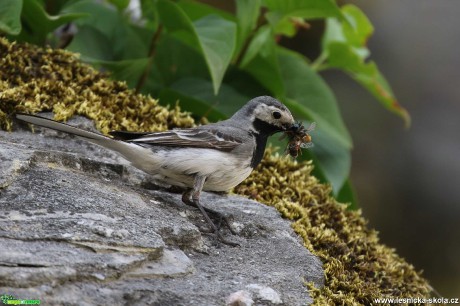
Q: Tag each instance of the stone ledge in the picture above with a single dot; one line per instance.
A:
(79, 229)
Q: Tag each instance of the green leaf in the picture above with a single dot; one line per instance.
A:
(37, 23)
(308, 97)
(267, 73)
(120, 4)
(227, 102)
(331, 162)
(197, 107)
(261, 61)
(333, 158)
(344, 46)
(129, 42)
(100, 16)
(149, 14)
(126, 70)
(196, 10)
(261, 42)
(217, 38)
(91, 44)
(282, 25)
(368, 75)
(283, 15)
(10, 16)
(358, 28)
(304, 8)
(213, 36)
(247, 12)
(315, 99)
(346, 195)
(119, 40)
(174, 60)
(176, 20)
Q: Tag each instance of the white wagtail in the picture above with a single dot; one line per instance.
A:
(212, 157)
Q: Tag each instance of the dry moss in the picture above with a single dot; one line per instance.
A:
(357, 267)
(34, 79)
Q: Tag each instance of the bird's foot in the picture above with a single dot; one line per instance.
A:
(225, 241)
(221, 219)
(215, 215)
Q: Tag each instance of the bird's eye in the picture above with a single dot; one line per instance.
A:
(276, 115)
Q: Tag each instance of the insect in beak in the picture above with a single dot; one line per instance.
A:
(298, 138)
(306, 138)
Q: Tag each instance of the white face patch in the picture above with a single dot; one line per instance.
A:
(266, 112)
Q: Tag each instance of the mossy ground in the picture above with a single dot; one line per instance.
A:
(357, 267)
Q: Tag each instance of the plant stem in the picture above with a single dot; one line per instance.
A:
(243, 50)
(319, 63)
(151, 55)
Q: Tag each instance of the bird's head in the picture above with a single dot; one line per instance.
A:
(266, 115)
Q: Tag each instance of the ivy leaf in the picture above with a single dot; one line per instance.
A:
(213, 36)
(10, 16)
(344, 46)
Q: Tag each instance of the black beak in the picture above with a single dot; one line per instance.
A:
(287, 126)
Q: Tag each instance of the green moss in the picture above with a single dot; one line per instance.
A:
(357, 267)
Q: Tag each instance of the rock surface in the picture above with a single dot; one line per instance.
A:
(80, 226)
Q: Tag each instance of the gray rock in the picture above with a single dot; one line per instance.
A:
(264, 293)
(240, 298)
(80, 226)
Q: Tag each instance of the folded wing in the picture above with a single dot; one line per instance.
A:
(195, 137)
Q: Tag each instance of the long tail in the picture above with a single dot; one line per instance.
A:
(140, 157)
(132, 152)
(59, 126)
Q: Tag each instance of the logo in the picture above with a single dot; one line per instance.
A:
(8, 299)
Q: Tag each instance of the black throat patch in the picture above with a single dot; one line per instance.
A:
(263, 130)
(261, 143)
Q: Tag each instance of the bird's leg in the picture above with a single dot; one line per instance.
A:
(193, 197)
(186, 198)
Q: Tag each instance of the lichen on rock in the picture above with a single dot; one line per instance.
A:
(358, 268)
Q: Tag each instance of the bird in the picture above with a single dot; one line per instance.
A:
(213, 157)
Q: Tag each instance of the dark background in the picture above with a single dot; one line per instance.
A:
(408, 180)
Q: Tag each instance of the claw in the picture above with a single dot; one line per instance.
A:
(192, 198)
